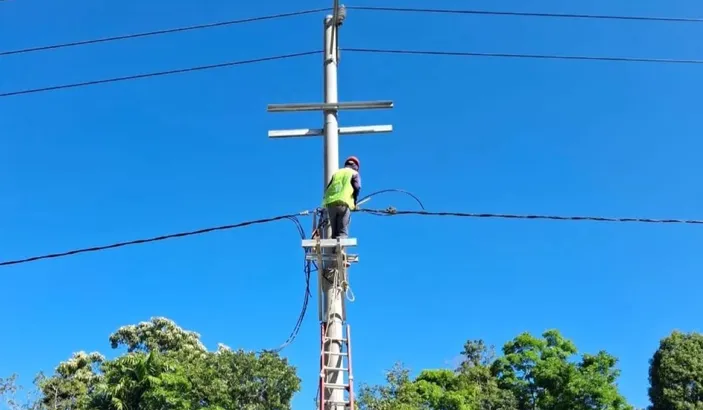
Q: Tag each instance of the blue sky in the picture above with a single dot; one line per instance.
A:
(99, 164)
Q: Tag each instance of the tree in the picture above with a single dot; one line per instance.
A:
(8, 389)
(8, 394)
(533, 374)
(676, 373)
(160, 334)
(399, 393)
(470, 387)
(476, 369)
(72, 383)
(540, 375)
(168, 368)
(147, 381)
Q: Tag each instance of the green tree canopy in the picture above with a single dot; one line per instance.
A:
(676, 373)
(470, 387)
(165, 367)
(541, 376)
(532, 374)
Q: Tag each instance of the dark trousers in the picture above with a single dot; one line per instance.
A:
(340, 216)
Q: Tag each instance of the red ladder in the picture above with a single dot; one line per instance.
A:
(325, 369)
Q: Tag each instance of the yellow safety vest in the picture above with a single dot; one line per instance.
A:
(340, 189)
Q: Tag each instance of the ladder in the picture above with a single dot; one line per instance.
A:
(344, 359)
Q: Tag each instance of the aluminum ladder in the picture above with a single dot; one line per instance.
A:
(345, 356)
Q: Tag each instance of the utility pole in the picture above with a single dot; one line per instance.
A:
(331, 290)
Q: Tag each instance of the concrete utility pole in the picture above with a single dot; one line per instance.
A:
(331, 297)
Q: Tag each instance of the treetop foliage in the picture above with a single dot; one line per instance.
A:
(165, 367)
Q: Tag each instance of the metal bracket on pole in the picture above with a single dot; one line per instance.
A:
(335, 107)
(356, 105)
(316, 132)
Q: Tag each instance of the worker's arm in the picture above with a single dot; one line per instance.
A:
(356, 184)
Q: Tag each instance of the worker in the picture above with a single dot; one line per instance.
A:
(341, 196)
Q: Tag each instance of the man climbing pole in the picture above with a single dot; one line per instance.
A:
(341, 195)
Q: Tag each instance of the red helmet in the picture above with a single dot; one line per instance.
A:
(354, 160)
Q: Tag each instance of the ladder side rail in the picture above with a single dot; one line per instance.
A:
(350, 374)
(323, 375)
(320, 274)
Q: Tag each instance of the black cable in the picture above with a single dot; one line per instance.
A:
(531, 56)
(160, 32)
(360, 8)
(383, 191)
(147, 240)
(527, 14)
(392, 211)
(306, 297)
(157, 74)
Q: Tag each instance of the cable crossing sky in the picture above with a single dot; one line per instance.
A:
(360, 8)
(378, 212)
(374, 50)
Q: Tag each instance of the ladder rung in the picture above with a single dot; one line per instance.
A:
(336, 386)
(332, 339)
(341, 369)
(336, 354)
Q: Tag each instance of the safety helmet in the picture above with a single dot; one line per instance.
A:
(353, 159)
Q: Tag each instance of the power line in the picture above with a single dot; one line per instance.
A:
(529, 56)
(392, 212)
(385, 191)
(528, 14)
(389, 211)
(358, 50)
(153, 239)
(306, 296)
(160, 32)
(156, 74)
(360, 8)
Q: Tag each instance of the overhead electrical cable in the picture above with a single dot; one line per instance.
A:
(385, 191)
(389, 211)
(160, 32)
(352, 49)
(156, 74)
(291, 217)
(526, 14)
(392, 211)
(524, 56)
(360, 8)
(149, 240)
(306, 296)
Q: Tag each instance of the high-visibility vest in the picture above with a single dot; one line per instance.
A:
(340, 189)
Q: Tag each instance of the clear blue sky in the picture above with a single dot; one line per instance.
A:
(104, 163)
